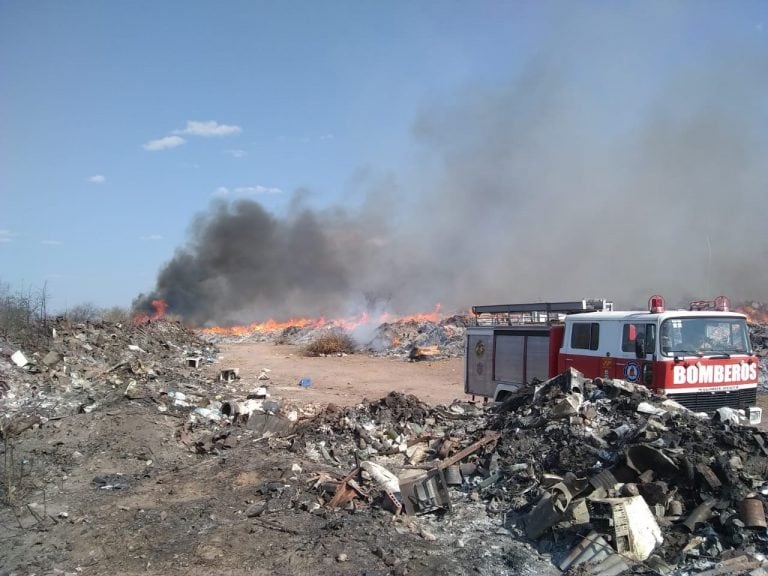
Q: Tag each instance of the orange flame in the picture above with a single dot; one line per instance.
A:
(348, 324)
(754, 315)
(160, 307)
(268, 326)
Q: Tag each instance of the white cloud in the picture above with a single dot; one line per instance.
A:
(221, 191)
(257, 190)
(208, 128)
(97, 179)
(6, 236)
(51, 242)
(164, 143)
(151, 237)
(236, 153)
(326, 137)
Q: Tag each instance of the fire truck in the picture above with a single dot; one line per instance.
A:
(700, 357)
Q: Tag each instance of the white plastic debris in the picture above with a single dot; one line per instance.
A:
(648, 408)
(568, 406)
(732, 416)
(179, 398)
(670, 404)
(382, 476)
(134, 348)
(214, 415)
(250, 406)
(19, 359)
(640, 534)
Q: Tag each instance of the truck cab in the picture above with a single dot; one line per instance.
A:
(700, 357)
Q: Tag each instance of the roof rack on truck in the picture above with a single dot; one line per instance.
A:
(536, 312)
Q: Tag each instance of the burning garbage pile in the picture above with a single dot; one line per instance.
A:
(600, 474)
(416, 337)
(420, 339)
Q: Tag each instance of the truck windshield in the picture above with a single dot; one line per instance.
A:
(704, 337)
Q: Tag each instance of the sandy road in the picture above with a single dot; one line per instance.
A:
(345, 380)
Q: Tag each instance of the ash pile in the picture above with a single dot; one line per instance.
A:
(78, 367)
(596, 476)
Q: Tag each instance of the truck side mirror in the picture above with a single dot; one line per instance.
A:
(639, 348)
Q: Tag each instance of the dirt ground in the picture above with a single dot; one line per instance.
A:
(115, 491)
(344, 380)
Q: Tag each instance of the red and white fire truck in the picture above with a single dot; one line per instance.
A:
(701, 357)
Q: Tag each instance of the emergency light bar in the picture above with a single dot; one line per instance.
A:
(721, 304)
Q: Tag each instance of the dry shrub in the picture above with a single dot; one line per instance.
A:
(330, 343)
(24, 316)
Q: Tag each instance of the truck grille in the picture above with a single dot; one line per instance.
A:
(711, 401)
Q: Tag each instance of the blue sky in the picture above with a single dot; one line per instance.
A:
(119, 121)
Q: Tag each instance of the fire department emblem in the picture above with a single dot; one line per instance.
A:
(631, 372)
(479, 349)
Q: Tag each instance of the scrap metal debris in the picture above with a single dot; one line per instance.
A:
(622, 470)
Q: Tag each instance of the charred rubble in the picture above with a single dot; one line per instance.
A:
(596, 474)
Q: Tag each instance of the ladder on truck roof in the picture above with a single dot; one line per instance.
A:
(535, 313)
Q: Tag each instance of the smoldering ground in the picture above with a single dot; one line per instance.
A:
(594, 172)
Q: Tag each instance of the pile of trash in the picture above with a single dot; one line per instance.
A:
(82, 366)
(610, 463)
(600, 474)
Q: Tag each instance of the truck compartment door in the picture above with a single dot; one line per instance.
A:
(479, 365)
(522, 356)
